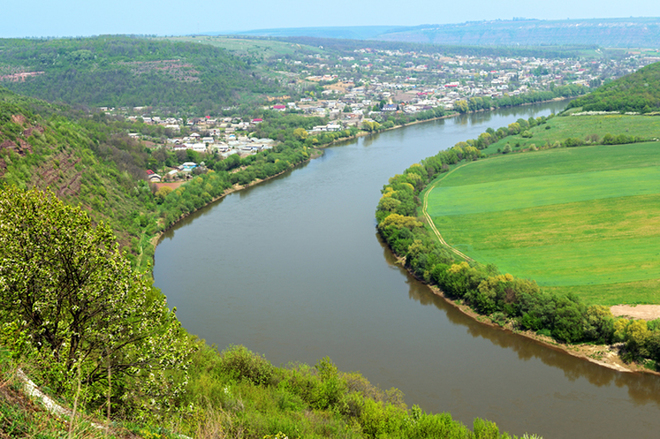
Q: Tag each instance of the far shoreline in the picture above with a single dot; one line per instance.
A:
(156, 239)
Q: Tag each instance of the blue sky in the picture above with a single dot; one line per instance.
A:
(61, 18)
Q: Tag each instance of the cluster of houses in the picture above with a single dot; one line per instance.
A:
(221, 142)
(415, 81)
(185, 169)
(369, 84)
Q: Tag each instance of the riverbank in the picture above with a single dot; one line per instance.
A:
(602, 355)
(155, 239)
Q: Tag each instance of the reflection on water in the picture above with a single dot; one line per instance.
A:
(642, 388)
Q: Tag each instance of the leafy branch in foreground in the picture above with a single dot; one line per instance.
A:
(70, 302)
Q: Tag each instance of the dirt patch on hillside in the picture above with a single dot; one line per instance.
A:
(18, 119)
(172, 185)
(646, 312)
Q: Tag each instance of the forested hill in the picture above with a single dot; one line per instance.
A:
(129, 71)
(87, 162)
(637, 92)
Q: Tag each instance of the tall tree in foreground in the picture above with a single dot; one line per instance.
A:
(70, 302)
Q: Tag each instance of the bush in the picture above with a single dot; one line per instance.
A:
(239, 363)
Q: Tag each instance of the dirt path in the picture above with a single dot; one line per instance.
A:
(645, 312)
(430, 220)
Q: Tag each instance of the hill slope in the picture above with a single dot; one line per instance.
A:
(125, 71)
(95, 166)
(637, 92)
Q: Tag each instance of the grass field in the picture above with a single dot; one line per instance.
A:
(563, 127)
(584, 220)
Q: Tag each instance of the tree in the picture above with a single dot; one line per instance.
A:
(461, 106)
(163, 192)
(70, 301)
(300, 133)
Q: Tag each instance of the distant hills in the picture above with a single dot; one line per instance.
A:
(125, 71)
(637, 92)
(343, 32)
(611, 32)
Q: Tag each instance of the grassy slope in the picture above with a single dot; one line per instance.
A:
(561, 128)
(570, 218)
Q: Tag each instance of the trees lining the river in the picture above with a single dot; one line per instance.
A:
(518, 303)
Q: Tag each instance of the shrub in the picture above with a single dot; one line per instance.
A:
(239, 363)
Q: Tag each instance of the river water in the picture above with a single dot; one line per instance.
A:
(293, 269)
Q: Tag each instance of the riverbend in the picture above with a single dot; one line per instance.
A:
(293, 268)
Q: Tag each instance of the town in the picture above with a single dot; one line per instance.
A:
(366, 88)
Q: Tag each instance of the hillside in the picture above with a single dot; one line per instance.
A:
(97, 166)
(638, 92)
(113, 349)
(118, 71)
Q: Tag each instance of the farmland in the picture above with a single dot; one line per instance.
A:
(581, 220)
(560, 128)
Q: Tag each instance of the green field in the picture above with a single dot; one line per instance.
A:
(583, 220)
(560, 128)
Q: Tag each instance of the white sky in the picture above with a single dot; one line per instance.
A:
(43, 18)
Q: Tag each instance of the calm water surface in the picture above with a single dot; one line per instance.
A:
(293, 269)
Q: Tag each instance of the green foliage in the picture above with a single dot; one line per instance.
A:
(641, 338)
(238, 363)
(637, 92)
(130, 71)
(71, 304)
(303, 401)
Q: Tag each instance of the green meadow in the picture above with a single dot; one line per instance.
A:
(563, 127)
(583, 220)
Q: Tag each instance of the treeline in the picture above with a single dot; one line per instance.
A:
(506, 300)
(638, 92)
(487, 103)
(130, 71)
(224, 174)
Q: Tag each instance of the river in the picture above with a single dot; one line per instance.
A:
(293, 269)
